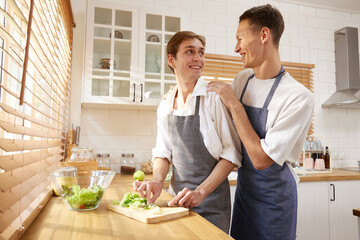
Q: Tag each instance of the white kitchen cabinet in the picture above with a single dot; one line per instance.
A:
(313, 211)
(325, 210)
(125, 57)
(344, 197)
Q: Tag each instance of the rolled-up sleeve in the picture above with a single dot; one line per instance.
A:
(230, 141)
(290, 127)
(163, 147)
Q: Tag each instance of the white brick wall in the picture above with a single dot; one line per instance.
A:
(308, 38)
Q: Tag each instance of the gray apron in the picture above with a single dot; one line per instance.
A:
(192, 164)
(265, 200)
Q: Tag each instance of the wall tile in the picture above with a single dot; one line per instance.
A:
(288, 7)
(317, 22)
(139, 128)
(190, 4)
(326, 77)
(291, 29)
(305, 55)
(298, 19)
(197, 28)
(123, 142)
(162, 2)
(222, 19)
(325, 13)
(342, 16)
(124, 115)
(145, 142)
(299, 41)
(326, 55)
(325, 34)
(308, 11)
(334, 24)
(230, 46)
(147, 116)
(221, 45)
(237, 9)
(318, 44)
(294, 54)
(202, 17)
(95, 114)
(307, 32)
(355, 17)
(103, 128)
(214, 30)
(210, 44)
(347, 121)
(175, 3)
(215, 6)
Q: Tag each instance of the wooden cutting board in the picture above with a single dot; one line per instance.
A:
(148, 216)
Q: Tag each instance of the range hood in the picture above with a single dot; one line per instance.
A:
(347, 93)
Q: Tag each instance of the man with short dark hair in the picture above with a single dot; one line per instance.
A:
(272, 113)
(196, 135)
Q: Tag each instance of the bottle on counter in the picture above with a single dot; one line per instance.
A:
(326, 157)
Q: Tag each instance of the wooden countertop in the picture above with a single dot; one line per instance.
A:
(57, 222)
(335, 175)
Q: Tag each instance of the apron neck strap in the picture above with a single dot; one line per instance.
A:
(272, 90)
(197, 105)
(274, 86)
(243, 91)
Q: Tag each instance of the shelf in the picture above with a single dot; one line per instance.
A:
(153, 43)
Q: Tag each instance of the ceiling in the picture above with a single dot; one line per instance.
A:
(349, 5)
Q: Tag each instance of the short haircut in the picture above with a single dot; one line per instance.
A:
(175, 41)
(265, 16)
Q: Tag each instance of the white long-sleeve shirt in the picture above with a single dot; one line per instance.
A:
(289, 114)
(216, 126)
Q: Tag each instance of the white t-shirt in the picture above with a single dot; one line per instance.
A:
(216, 126)
(289, 114)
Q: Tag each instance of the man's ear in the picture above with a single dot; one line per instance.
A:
(171, 59)
(264, 35)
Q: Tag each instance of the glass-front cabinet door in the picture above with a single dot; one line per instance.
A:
(110, 60)
(155, 76)
(125, 59)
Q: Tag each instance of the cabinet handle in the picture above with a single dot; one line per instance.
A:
(333, 195)
(141, 99)
(134, 93)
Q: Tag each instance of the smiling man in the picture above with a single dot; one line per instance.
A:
(196, 135)
(272, 113)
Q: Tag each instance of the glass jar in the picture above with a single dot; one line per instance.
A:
(104, 162)
(81, 155)
(127, 165)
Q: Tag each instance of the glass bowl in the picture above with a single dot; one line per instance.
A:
(82, 190)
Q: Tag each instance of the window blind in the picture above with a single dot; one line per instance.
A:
(35, 63)
(224, 68)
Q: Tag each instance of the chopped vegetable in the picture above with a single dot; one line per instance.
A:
(85, 198)
(139, 175)
(135, 201)
(115, 202)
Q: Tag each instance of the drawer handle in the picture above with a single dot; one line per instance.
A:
(134, 93)
(333, 195)
(141, 99)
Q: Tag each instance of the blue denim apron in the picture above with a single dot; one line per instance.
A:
(265, 204)
(193, 164)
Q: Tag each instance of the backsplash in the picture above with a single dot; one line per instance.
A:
(117, 131)
(308, 38)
